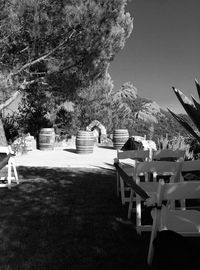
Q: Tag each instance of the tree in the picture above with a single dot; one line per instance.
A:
(65, 44)
(58, 46)
(101, 102)
(122, 101)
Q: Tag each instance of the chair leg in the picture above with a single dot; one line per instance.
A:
(118, 184)
(130, 207)
(182, 204)
(138, 215)
(11, 164)
(150, 253)
(122, 191)
(15, 171)
(9, 173)
(155, 228)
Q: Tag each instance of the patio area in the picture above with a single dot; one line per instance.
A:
(65, 214)
(67, 218)
(102, 157)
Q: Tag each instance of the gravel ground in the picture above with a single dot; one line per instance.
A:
(101, 157)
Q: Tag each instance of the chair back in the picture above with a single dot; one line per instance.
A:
(185, 222)
(178, 191)
(133, 154)
(4, 149)
(156, 168)
(149, 185)
(168, 155)
(191, 165)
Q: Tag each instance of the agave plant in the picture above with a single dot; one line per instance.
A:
(192, 108)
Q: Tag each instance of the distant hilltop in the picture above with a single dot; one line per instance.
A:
(152, 118)
(150, 112)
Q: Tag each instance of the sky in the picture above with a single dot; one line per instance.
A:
(162, 51)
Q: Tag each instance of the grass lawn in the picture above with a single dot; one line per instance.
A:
(67, 219)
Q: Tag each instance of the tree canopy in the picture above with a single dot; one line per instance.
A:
(63, 44)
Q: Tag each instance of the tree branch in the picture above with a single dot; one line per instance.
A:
(9, 101)
(42, 58)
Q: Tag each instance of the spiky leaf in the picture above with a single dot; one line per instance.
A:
(198, 87)
(196, 103)
(189, 107)
(185, 124)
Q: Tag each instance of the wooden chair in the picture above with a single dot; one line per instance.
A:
(127, 160)
(168, 155)
(150, 171)
(184, 222)
(7, 160)
(190, 170)
(191, 166)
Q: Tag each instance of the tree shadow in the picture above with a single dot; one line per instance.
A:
(70, 150)
(67, 219)
(106, 146)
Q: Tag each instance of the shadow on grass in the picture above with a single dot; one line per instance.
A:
(67, 219)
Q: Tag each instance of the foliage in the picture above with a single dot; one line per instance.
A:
(138, 127)
(194, 149)
(58, 48)
(193, 111)
(168, 125)
(11, 128)
(66, 44)
(121, 105)
(34, 109)
(66, 122)
(176, 142)
(99, 101)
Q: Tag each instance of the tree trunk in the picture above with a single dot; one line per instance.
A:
(3, 140)
(9, 101)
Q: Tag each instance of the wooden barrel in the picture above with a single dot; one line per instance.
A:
(84, 142)
(120, 137)
(46, 139)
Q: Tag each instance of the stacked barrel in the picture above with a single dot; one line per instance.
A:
(84, 142)
(120, 137)
(46, 139)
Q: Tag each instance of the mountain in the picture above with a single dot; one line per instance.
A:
(149, 112)
(149, 119)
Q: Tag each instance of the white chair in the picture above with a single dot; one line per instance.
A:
(7, 160)
(168, 155)
(147, 170)
(127, 161)
(191, 165)
(184, 222)
(188, 170)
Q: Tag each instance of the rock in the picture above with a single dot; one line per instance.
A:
(146, 117)
(151, 107)
(149, 112)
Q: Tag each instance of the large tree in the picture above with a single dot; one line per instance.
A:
(100, 101)
(63, 44)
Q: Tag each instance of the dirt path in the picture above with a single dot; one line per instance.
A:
(102, 157)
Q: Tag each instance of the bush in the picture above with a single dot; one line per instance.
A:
(11, 128)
